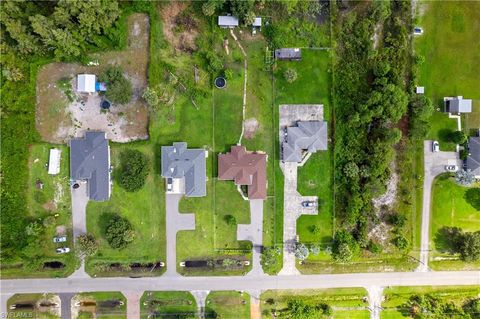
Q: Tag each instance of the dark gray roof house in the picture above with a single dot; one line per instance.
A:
(458, 105)
(311, 136)
(188, 164)
(90, 161)
(291, 54)
(473, 159)
(227, 21)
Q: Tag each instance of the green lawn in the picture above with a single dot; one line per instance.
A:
(145, 209)
(50, 206)
(340, 299)
(32, 311)
(450, 208)
(451, 49)
(395, 297)
(228, 304)
(103, 311)
(167, 304)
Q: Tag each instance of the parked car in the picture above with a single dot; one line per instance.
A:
(435, 146)
(451, 168)
(59, 239)
(169, 184)
(63, 250)
(308, 203)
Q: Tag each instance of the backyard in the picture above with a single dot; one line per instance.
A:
(450, 208)
(396, 297)
(450, 31)
(61, 112)
(345, 302)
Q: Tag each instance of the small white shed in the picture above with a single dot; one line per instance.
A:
(420, 90)
(257, 22)
(54, 161)
(86, 83)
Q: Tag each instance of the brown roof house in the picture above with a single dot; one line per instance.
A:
(245, 168)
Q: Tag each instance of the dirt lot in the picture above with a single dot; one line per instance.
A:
(58, 119)
(179, 29)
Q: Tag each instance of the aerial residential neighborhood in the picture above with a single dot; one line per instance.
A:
(240, 159)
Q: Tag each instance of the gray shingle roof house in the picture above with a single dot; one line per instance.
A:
(458, 105)
(178, 162)
(473, 159)
(227, 21)
(311, 136)
(90, 161)
(291, 54)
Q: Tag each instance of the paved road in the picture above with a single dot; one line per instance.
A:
(66, 305)
(434, 164)
(174, 223)
(240, 283)
(254, 232)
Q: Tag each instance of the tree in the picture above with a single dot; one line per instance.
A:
(458, 137)
(119, 89)
(86, 245)
(344, 246)
(314, 229)
(470, 246)
(133, 170)
(472, 307)
(230, 220)
(118, 232)
(464, 177)
(400, 242)
(301, 251)
(240, 8)
(472, 196)
(209, 7)
(351, 170)
(290, 75)
(249, 18)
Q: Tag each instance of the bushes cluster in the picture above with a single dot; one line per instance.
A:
(430, 306)
(455, 241)
(133, 170)
(119, 89)
(118, 231)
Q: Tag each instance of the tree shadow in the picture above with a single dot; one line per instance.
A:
(472, 196)
(445, 135)
(447, 238)
(104, 221)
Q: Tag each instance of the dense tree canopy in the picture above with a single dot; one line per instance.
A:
(133, 170)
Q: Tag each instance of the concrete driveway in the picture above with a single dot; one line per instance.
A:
(174, 223)
(434, 165)
(79, 209)
(254, 232)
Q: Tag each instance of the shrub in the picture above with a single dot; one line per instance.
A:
(151, 97)
(314, 229)
(290, 75)
(86, 245)
(458, 137)
(133, 170)
(301, 251)
(118, 232)
(230, 220)
(374, 247)
(472, 196)
(344, 246)
(119, 89)
(400, 242)
(314, 249)
(269, 256)
(464, 177)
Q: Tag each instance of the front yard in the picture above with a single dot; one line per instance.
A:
(450, 208)
(228, 304)
(175, 304)
(111, 305)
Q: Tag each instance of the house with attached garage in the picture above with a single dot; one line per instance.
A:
(185, 170)
(245, 168)
(90, 164)
(305, 137)
(473, 159)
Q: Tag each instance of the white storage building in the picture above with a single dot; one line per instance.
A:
(54, 161)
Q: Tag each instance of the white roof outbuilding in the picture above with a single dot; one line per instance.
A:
(420, 90)
(54, 161)
(86, 83)
(257, 22)
(227, 21)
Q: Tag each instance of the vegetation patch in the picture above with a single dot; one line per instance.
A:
(227, 304)
(167, 304)
(133, 170)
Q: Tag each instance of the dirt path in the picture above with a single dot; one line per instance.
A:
(244, 85)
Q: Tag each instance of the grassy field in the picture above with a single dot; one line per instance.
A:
(450, 209)
(30, 310)
(50, 206)
(145, 209)
(395, 297)
(102, 311)
(342, 300)
(167, 304)
(450, 47)
(228, 304)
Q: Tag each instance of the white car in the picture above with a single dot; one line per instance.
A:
(169, 184)
(63, 250)
(451, 168)
(435, 146)
(59, 239)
